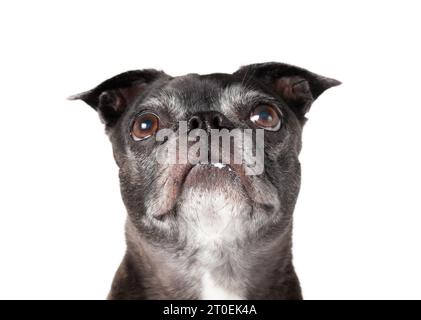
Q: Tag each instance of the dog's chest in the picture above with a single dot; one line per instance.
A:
(211, 290)
(218, 275)
(214, 228)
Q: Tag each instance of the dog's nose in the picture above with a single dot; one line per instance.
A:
(207, 120)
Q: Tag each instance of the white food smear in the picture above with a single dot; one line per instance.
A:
(220, 165)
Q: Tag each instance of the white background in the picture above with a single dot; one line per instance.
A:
(357, 221)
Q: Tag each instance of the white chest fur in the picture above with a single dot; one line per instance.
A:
(212, 291)
(215, 223)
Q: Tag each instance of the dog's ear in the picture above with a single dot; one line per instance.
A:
(111, 97)
(297, 87)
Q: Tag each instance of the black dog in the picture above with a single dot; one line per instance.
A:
(207, 231)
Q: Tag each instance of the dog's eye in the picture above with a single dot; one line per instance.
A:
(145, 126)
(266, 117)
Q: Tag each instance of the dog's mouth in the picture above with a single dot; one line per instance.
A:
(221, 177)
(213, 175)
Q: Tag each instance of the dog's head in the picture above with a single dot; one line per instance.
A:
(168, 200)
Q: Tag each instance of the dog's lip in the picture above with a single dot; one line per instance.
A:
(219, 165)
(208, 166)
(228, 170)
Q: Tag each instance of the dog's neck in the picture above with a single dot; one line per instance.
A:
(206, 270)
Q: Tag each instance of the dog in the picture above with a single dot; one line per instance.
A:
(207, 230)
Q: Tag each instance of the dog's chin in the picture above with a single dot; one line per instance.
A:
(178, 183)
(213, 204)
(231, 180)
(213, 187)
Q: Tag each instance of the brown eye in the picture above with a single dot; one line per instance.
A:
(145, 126)
(266, 117)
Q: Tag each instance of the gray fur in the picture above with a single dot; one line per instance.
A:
(182, 230)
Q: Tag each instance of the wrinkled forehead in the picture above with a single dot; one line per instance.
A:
(195, 93)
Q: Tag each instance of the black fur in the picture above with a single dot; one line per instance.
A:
(164, 259)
